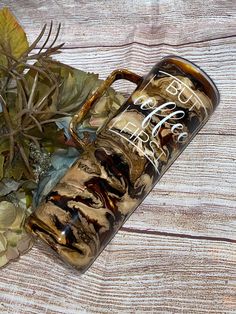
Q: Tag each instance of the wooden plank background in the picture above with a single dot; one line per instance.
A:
(177, 253)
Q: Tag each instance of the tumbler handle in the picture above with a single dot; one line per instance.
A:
(78, 117)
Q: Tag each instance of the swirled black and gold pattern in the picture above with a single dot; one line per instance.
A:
(112, 177)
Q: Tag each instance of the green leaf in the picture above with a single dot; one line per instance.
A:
(3, 244)
(77, 86)
(4, 145)
(2, 159)
(13, 39)
(7, 214)
(74, 86)
(16, 169)
(53, 138)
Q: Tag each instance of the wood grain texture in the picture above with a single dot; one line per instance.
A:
(109, 23)
(137, 273)
(177, 252)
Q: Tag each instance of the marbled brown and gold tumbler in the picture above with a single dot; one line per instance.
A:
(130, 154)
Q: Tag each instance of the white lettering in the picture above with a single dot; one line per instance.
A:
(142, 136)
(172, 89)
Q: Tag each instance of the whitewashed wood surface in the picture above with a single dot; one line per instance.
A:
(177, 253)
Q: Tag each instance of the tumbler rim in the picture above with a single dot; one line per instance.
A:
(200, 71)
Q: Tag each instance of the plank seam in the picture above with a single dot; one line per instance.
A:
(178, 235)
(150, 45)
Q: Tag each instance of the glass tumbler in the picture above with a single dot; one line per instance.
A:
(131, 152)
